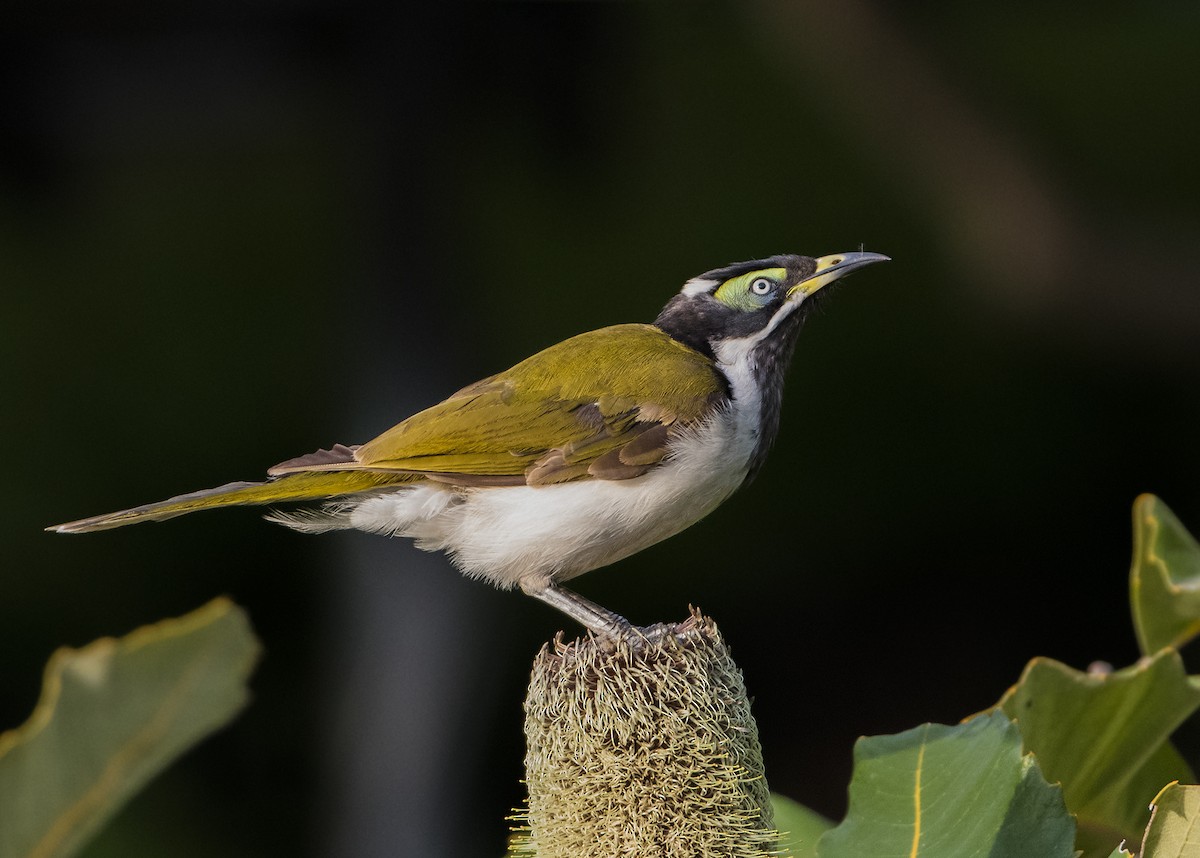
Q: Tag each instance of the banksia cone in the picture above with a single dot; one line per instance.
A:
(643, 750)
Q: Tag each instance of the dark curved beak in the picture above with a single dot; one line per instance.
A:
(832, 267)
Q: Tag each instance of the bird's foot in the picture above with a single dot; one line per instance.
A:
(598, 619)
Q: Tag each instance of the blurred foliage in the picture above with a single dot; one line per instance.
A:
(948, 791)
(229, 236)
(1165, 580)
(1101, 738)
(112, 715)
(1174, 830)
(1105, 738)
(800, 828)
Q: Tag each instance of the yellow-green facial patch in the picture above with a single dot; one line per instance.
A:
(748, 292)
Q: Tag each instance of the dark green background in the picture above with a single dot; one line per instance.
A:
(232, 233)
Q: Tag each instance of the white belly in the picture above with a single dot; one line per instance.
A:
(509, 535)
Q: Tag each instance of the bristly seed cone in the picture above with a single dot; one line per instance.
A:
(643, 750)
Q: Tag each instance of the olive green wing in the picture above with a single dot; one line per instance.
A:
(603, 404)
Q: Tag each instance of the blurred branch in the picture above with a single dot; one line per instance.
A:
(1008, 227)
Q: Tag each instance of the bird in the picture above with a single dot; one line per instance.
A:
(585, 453)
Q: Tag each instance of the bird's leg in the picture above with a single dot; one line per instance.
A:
(599, 619)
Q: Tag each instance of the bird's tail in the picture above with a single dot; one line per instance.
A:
(301, 486)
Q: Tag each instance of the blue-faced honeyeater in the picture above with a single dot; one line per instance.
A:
(577, 457)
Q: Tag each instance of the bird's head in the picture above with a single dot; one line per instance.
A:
(748, 304)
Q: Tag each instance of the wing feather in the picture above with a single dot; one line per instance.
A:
(544, 422)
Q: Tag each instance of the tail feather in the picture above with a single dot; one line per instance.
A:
(318, 519)
(291, 487)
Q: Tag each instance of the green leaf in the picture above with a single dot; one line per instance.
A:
(111, 716)
(1104, 737)
(951, 792)
(1164, 578)
(1121, 852)
(801, 827)
(1174, 830)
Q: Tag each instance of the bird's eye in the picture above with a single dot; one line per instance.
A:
(762, 286)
